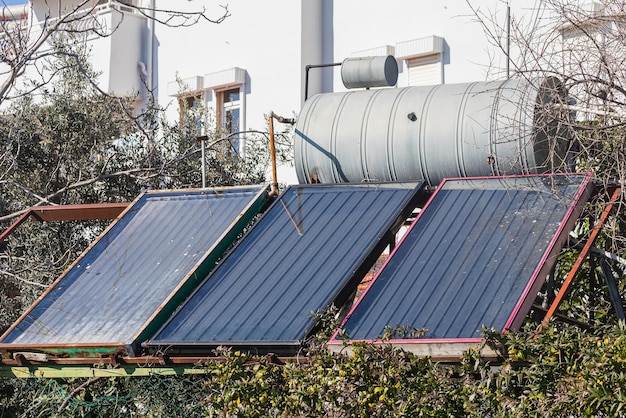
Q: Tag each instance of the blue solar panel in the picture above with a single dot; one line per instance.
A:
(137, 272)
(476, 256)
(309, 250)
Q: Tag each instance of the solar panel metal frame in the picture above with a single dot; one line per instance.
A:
(452, 348)
(257, 199)
(345, 287)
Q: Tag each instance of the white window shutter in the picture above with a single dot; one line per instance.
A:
(425, 71)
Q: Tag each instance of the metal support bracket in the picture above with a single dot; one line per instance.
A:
(581, 257)
(616, 300)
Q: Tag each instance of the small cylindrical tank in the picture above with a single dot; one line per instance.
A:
(369, 72)
(515, 126)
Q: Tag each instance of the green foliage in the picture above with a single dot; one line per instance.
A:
(401, 332)
(560, 371)
(72, 144)
(563, 371)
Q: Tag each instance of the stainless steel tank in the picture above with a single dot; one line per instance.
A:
(516, 126)
(368, 72)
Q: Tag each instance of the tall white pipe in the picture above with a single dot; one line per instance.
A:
(152, 27)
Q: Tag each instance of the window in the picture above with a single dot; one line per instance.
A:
(189, 112)
(423, 58)
(229, 115)
(425, 71)
(229, 101)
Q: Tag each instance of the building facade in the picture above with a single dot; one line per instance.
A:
(254, 62)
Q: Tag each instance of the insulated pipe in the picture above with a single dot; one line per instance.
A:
(306, 75)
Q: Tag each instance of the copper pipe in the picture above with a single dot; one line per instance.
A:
(271, 117)
(274, 188)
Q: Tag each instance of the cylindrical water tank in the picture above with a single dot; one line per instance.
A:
(516, 126)
(369, 72)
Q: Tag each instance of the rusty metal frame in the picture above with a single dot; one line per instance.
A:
(120, 348)
(26, 365)
(67, 213)
(581, 257)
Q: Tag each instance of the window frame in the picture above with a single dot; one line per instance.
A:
(224, 106)
(187, 101)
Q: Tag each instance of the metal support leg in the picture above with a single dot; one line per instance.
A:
(616, 299)
(581, 257)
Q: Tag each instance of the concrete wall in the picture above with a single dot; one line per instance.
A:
(261, 37)
(274, 40)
